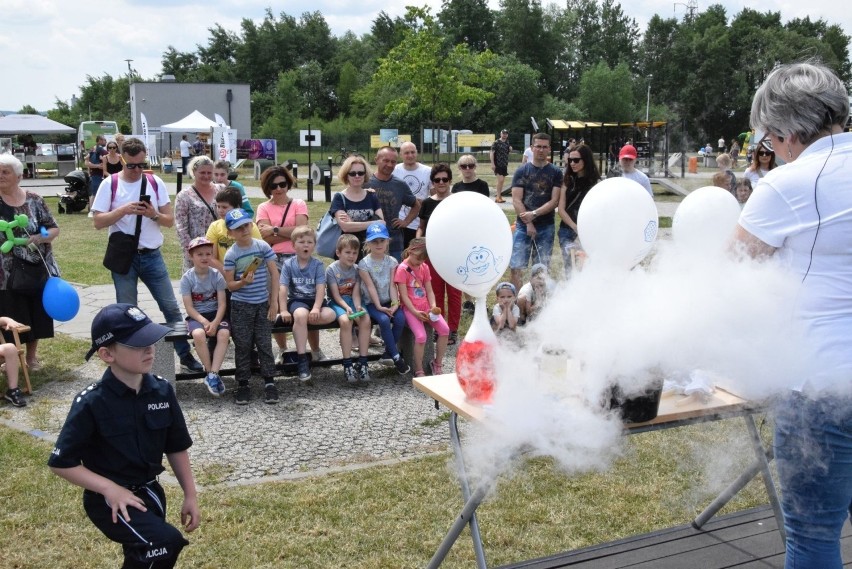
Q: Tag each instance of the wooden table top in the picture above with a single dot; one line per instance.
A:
(673, 408)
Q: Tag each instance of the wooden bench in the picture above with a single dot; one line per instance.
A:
(164, 363)
(46, 173)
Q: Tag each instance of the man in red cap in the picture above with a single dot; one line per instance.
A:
(627, 159)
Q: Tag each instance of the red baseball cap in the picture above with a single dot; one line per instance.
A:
(627, 151)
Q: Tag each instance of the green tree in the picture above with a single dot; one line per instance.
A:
(606, 94)
(28, 110)
(428, 81)
(470, 22)
(347, 84)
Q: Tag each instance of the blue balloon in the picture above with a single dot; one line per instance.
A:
(60, 299)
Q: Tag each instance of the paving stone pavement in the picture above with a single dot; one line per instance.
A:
(314, 429)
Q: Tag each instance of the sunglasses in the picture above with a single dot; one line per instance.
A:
(467, 166)
(440, 180)
(356, 174)
(575, 160)
(112, 147)
(279, 185)
(140, 165)
(765, 153)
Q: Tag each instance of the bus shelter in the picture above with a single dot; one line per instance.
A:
(650, 138)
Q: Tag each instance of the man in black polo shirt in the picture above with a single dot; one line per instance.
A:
(114, 438)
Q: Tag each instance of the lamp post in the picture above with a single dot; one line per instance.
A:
(648, 102)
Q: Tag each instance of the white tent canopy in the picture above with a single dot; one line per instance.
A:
(193, 122)
(32, 124)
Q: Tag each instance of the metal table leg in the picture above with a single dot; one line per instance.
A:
(468, 513)
(760, 466)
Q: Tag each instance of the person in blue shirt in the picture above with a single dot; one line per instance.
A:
(252, 276)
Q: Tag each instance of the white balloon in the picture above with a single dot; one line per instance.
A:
(469, 242)
(617, 223)
(705, 220)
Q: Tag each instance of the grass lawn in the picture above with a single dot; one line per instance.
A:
(376, 517)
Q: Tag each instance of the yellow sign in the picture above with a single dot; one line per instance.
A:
(474, 140)
(376, 140)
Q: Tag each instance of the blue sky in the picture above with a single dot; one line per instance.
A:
(50, 46)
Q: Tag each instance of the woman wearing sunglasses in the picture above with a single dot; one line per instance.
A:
(762, 162)
(441, 177)
(112, 159)
(581, 174)
(355, 208)
(470, 183)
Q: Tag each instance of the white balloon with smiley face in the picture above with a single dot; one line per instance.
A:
(469, 242)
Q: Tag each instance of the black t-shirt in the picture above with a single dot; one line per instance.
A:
(478, 185)
(427, 208)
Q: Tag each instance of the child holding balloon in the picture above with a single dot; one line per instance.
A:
(414, 282)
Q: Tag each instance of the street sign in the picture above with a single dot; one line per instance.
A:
(310, 138)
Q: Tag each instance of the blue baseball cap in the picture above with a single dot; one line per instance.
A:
(236, 218)
(124, 324)
(377, 231)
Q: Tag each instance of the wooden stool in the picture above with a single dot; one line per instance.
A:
(21, 356)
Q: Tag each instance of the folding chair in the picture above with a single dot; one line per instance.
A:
(21, 356)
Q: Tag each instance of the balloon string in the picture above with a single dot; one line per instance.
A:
(38, 250)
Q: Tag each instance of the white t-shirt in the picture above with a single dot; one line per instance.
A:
(781, 213)
(528, 155)
(640, 178)
(185, 149)
(418, 181)
(498, 311)
(150, 236)
(754, 175)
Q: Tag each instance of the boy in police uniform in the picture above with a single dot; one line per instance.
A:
(114, 438)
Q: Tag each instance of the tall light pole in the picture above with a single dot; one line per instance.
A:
(648, 102)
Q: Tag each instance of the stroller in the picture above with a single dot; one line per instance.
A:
(76, 196)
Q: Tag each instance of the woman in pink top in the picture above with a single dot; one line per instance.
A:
(276, 219)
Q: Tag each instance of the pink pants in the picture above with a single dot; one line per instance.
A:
(453, 306)
(418, 327)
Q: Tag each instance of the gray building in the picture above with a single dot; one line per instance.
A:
(166, 102)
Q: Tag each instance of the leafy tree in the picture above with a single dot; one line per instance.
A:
(386, 33)
(428, 81)
(180, 64)
(517, 96)
(470, 22)
(28, 110)
(347, 84)
(606, 94)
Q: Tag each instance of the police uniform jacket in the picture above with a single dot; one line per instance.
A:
(120, 434)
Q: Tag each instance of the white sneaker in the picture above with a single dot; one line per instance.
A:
(91, 214)
(318, 356)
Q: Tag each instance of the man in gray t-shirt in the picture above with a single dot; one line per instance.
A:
(393, 193)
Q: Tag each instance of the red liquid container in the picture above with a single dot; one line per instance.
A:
(475, 360)
(475, 370)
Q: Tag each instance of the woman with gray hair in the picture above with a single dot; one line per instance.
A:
(195, 208)
(802, 214)
(17, 300)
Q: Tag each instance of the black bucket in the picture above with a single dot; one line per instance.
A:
(639, 407)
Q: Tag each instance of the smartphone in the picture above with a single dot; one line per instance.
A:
(253, 265)
(145, 198)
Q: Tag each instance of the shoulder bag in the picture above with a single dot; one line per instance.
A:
(121, 247)
(328, 232)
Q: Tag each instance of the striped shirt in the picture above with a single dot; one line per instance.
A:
(237, 259)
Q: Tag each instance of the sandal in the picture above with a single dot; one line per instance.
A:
(437, 368)
(453, 339)
(420, 373)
